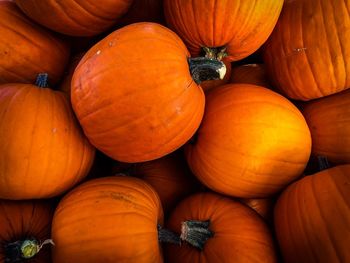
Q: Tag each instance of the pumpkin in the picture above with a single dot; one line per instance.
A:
(210, 84)
(27, 49)
(214, 228)
(110, 219)
(328, 119)
(134, 95)
(312, 218)
(25, 231)
(43, 150)
(250, 74)
(233, 28)
(263, 206)
(143, 11)
(75, 17)
(307, 54)
(252, 142)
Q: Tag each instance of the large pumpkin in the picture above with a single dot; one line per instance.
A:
(217, 229)
(43, 150)
(134, 94)
(308, 54)
(239, 26)
(25, 228)
(110, 219)
(252, 142)
(27, 49)
(328, 119)
(75, 17)
(312, 218)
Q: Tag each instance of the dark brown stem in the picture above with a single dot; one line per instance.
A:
(323, 163)
(203, 69)
(42, 80)
(167, 236)
(196, 233)
(217, 53)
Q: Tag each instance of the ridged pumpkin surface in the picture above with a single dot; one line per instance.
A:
(308, 54)
(312, 218)
(252, 142)
(134, 95)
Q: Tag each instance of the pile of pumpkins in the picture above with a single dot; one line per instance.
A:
(175, 131)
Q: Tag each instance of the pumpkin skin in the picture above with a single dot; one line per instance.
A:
(243, 148)
(110, 219)
(75, 17)
(143, 11)
(240, 235)
(21, 220)
(137, 110)
(210, 84)
(44, 151)
(312, 218)
(250, 74)
(328, 119)
(27, 49)
(241, 26)
(308, 60)
(263, 206)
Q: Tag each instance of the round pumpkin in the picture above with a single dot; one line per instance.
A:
(110, 219)
(217, 229)
(328, 119)
(75, 17)
(210, 84)
(240, 27)
(134, 94)
(27, 49)
(43, 150)
(250, 74)
(252, 142)
(25, 231)
(307, 55)
(312, 218)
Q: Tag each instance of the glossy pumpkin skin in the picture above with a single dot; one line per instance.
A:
(44, 151)
(312, 218)
(307, 54)
(328, 119)
(27, 49)
(110, 219)
(241, 26)
(240, 235)
(75, 17)
(210, 84)
(20, 220)
(133, 109)
(250, 74)
(143, 11)
(251, 144)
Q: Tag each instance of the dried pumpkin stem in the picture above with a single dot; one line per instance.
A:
(323, 163)
(42, 80)
(215, 53)
(203, 69)
(167, 236)
(196, 233)
(19, 250)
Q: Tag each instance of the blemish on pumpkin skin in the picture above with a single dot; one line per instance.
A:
(54, 130)
(299, 49)
(122, 197)
(98, 52)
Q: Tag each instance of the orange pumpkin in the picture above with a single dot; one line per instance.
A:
(252, 142)
(143, 11)
(306, 55)
(144, 104)
(43, 150)
(75, 17)
(263, 206)
(210, 84)
(217, 229)
(110, 219)
(250, 74)
(25, 231)
(27, 49)
(240, 27)
(312, 218)
(328, 119)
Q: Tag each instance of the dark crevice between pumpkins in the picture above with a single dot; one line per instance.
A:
(323, 163)
(42, 80)
(203, 69)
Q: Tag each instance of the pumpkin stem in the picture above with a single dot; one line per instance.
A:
(41, 80)
(19, 250)
(323, 163)
(203, 69)
(196, 233)
(167, 236)
(217, 53)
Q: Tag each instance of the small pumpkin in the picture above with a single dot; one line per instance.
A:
(217, 229)
(25, 231)
(250, 74)
(27, 49)
(312, 218)
(75, 17)
(233, 28)
(252, 142)
(307, 54)
(43, 150)
(135, 92)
